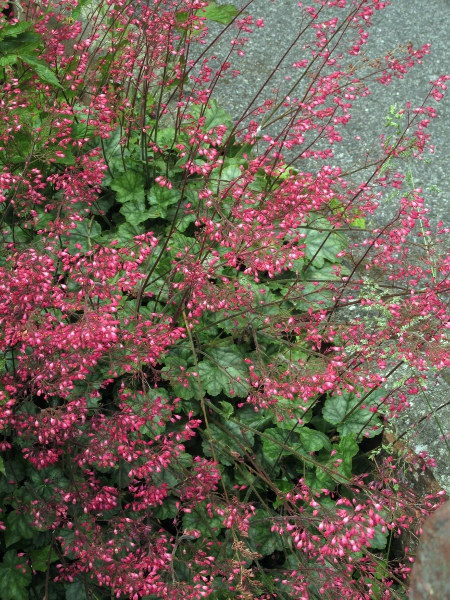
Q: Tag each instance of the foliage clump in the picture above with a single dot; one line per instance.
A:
(188, 403)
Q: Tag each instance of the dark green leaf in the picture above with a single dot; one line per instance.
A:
(260, 537)
(229, 442)
(40, 559)
(15, 576)
(127, 232)
(224, 370)
(23, 43)
(82, 238)
(168, 509)
(323, 245)
(184, 383)
(199, 519)
(273, 450)
(345, 412)
(18, 526)
(379, 541)
(45, 480)
(75, 590)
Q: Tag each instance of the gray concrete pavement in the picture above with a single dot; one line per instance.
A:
(421, 21)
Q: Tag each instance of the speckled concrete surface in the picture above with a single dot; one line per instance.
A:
(421, 21)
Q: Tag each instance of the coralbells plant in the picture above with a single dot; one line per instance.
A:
(188, 399)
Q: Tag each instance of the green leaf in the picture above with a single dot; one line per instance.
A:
(380, 539)
(200, 519)
(213, 114)
(77, 12)
(229, 443)
(14, 30)
(313, 440)
(75, 590)
(82, 238)
(45, 480)
(284, 486)
(260, 538)
(223, 14)
(345, 412)
(227, 408)
(224, 370)
(18, 527)
(168, 509)
(2, 466)
(290, 413)
(348, 446)
(184, 383)
(346, 450)
(162, 198)
(67, 159)
(323, 245)
(135, 212)
(127, 232)
(82, 130)
(15, 576)
(8, 60)
(128, 187)
(273, 450)
(20, 44)
(40, 67)
(40, 559)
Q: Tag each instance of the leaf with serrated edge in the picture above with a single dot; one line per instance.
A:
(15, 576)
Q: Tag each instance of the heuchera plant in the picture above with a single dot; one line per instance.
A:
(202, 339)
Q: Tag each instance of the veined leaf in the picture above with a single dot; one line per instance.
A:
(223, 14)
(82, 238)
(323, 245)
(75, 590)
(272, 450)
(228, 442)
(14, 30)
(22, 43)
(8, 60)
(161, 198)
(345, 412)
(127, 232)
(260, 537)
(18, 526)
(15, 576)
(213, 114)
(129, 186)
(135, 212)
(313, 440)
(40, 67)
(40, 559)
(199, 519)
(224, 370)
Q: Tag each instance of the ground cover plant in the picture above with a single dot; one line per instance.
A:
(202, 340)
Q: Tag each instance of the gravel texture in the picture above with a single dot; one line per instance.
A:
(421, 21)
